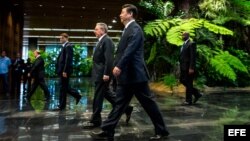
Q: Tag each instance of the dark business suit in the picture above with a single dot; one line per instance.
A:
(17, 71)
(133, 80)
(187, 61)
(65, 64)
(37, 72)
(103, 60)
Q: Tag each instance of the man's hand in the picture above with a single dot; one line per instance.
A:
(65, 74)
(190, 71)
(105, 78)
(116, 71)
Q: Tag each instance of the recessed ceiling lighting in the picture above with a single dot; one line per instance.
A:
(24, 14)
(114, 21)
(40, 5)
(110, 26)
(83, 7)
(16, 4)
(103, 8)
(62, 6)
(81, 16)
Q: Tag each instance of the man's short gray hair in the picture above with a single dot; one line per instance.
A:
(103, 26)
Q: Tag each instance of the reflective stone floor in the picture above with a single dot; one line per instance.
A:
(37, 121)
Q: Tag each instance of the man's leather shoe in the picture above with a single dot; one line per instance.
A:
(90, 125)
(128, 113)
(159, 137)
(78, 99)
(58, 109)
(185, 103)
(102, 135)
(197, 98)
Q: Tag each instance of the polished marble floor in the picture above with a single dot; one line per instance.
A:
(36, 121)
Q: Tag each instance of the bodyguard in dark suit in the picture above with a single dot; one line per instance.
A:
(16, 74)
(102, 72)
(187, 68)
(64, 68)
(132, 78)
(37, 72)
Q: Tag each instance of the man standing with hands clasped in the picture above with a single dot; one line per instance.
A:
(187, 67)
(132, 79)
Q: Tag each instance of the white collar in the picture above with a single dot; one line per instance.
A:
(126, 26)
(186, 41)
(38, 56)
(65, 43)
(99, 39)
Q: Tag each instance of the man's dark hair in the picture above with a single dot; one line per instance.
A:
(65, 35)
(131, 9)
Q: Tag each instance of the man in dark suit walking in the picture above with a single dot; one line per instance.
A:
(37, 72)
(132, 78)
(187, 68)
(102, 72)
(64, 68)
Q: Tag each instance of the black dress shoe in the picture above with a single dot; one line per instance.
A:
(78, 99)
(158, 137)
(58, 109)
(185, 103)
(102, 135)
(90, 125)
(197, 98)
(128, 113)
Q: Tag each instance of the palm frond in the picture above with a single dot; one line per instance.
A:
(153, 53)
(223, 68)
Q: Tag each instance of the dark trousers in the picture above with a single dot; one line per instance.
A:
(64, 89)
(187, 80)
(39, 82)
(26, 81)
(4, 78)
(16, 83)
(124, 94)
(101, 91)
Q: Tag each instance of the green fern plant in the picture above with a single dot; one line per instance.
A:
(153, 53)
(174, 27)
(170, 81)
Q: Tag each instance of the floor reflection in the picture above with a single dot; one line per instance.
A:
(36, 121)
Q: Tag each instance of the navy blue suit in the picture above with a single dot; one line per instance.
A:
(187, 61)
(133, 80)
(38, 73)
(65, 64)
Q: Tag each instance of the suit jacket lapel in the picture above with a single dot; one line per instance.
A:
(125, 34)
(99, 45)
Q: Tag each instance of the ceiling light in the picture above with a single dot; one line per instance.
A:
(62, 6)
(110, 26)
(40, 5)
(72, 37)
(16, 4)
(83, 7)
(66, 30)
(24, 14)
(41, 29)
(114, 21)
(103, 8)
